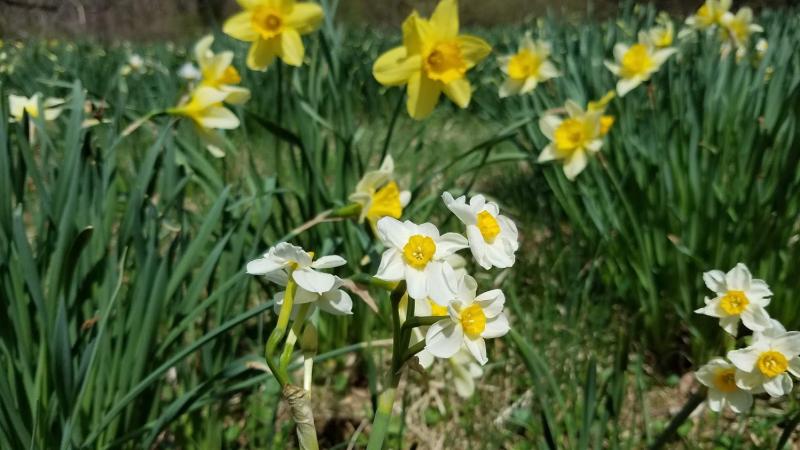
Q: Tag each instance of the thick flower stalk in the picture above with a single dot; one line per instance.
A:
(433, 59)
(274, 28)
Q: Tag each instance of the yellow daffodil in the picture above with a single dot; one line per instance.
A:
(527, 68)
(19, 105)
(274, 28)
(709, 15)
(572, 139)
(433, 59)
(663, 34)
(738, 28)
(606, 120)
(379, 195)
(217, 71)
(761, 48)
(636, 63)
(207, 112)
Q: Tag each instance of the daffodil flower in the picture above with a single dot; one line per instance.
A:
(190, 72)
(217, 71)
(767, 363)
(18, 105)
(492, 237)
(334, 301)
(720, 377)
(572, 139)
(283, 258)
(635, 64)
(379, 195)
(527, 68)
(663, 34)
(434, 58)
(761, 48)
(738, 296)
(709, 14)
(274, 28)
(207, 112)
(738, 28)
(416, 254)
(471, 320)
(606, 120)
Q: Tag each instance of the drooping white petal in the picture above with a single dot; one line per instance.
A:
(337, 302)
(730, 324)
(449, 243)
(491, 302)
(744, 359)
(416, 283)
(327, 262)
(755, 318)
(788, 344)
(496, 327)
(313, 281)
(477, 347)
(716, 400)
(392, 267)
(715, 280)
(262, 266)
(740, 401)
(444, 338)
(440, 281)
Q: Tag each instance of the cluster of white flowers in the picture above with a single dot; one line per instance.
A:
(762, 366)
(422, 257)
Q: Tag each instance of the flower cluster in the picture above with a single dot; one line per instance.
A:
(766, 363)
(734, 30)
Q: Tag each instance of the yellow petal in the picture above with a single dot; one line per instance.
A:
(473, 49)
(423, 95)
(236, 95)
(459, 91)
(305, 17)
(414, 28)
(292, 49)
(445, 19)
(202, 49)
(394, 67)
(250, 4)
(240, 27)
(205, 96)
(218, 117)
(262, 53)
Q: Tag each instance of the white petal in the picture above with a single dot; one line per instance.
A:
(478, 247)
(548, 154)
(416, 283)
(744, 359)
(303, 296)
(794, 366)
(392, 267)
(337, 302)
(749, 380)
(739, 278)
(444, 338)
(496, 327)
(393, 232)
(510, 87)
(477, 347)
(262, 266)
(327, 262)
(730, 324)
(459, 207)
(449, 243)
(788, 344)
(626, 85)
(620, 50)
(715, 280)
(755, 318)
(775, 386)
(439, 282)
(314, 281)
(575, 164)
(548, 125)
(740, 401)
(759, 288)
(716, 400)
(492, 302)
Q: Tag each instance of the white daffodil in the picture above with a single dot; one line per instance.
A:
(334, 301)
(572, 139)
(720, 377)
(284, 258)
(492, 236)
(19, 105)
(708, 15)
(471, 320)
(218, 72)
(739, 296)
(417, 253)
(738, 28)
(190, 72)
(378, 194)
(765, 363)
(459, 265)
(526, 68)
(761, 48)
(635, 64)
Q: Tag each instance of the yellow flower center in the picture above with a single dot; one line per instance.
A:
(569, 136)
(267, 22)
(33, 110)
(725, 380)
(437, 309)
(473, 320)
(523, 65)
(605, 124)
(488, 226)
(772, 363)
(386, 202)
(740, 30)
(418, 251)
(663, 38)
(636, 61)
(445, 63)
(229, 76)
(734, 302)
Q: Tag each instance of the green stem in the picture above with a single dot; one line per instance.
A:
(414, 349)
(380, 423)
(383, 412)
(372, 281)
(422, 321)
(351, 210)
(280, 330)
(291, 339)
